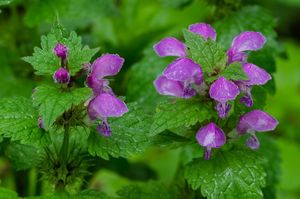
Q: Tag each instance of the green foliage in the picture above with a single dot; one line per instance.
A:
(171, 115)
(129, 135)
(234, 72)
(230, 174)
(140, 79)
(19, 121)
(45, 62)
(53, 102)
(148, 190)
(208, 54)
(7, 194)
(23, 156)
(5, 2)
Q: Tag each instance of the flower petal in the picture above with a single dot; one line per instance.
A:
(204, 30)
(170, 46)
(223, 90)
(106, 105)
(257, 75)
(211, 136)
(248, 40)
(184, 69)
(107, 65)
(256, 121)
(165, 86)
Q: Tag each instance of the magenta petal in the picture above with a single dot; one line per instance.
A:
(170, 46)
(256, 121)
(165, 86)
(223, 90)
(257, 75)
(107, 65)
(204, 30)
(248, 40)
(184, 69)
(211, 136)
(106, 105)
(98, 85)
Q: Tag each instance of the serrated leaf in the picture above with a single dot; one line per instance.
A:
(23, 156)
(182, 112)
(18, 121)
(238, 173)
(235, 72)
(129, 135)
(53, 102)
(208, 54)
(44, 61)
(149, 190)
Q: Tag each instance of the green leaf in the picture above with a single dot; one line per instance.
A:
(8, 194)
(208, 54)
(140, 79)
(129, 135)
(53, 102)
(238, 173)
(18, 121)
(45, 62)
(234, 72)
(148, 190)
(23, 156)
(5, 2)
(182, 112)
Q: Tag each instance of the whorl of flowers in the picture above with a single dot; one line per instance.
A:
(184, 78)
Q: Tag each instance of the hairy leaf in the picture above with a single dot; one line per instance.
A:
(44, 61)
(129, 135)
(234, 72)
(182, 112)
(53, 102)
(19, 121)
(208, 54)
(238, 173)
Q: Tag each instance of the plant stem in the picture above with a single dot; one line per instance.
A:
(64, 151)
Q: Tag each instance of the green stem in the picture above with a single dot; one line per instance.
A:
(64, 151)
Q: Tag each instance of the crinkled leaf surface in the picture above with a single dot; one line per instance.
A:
(238, 173)
(19, 121)
(53, 101)
(182, 112)
(234, 72)
(129, 135)
(44, 61)
(209, 54)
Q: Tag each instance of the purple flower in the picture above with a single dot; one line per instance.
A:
(106, 65)
(178, 78)
(257, 76)
(170, 46)
(61, 51)
(204, 30)
(103, 106)
(245, 41)
(255, 121)
(210, 136)
(61, 76)
(41, 123)
(223, 90)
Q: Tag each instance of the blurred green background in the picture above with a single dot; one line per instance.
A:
(129, 28)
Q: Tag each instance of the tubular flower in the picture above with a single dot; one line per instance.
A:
(246, 41)
(61, 76)
(60, 51)
(179, 76)
(104, 103)
(255, 121)
(257, 76)
(210, 136)
(223, 90)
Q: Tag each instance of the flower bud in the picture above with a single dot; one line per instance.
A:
(61, 51)
(61, 76)
(41, 123)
